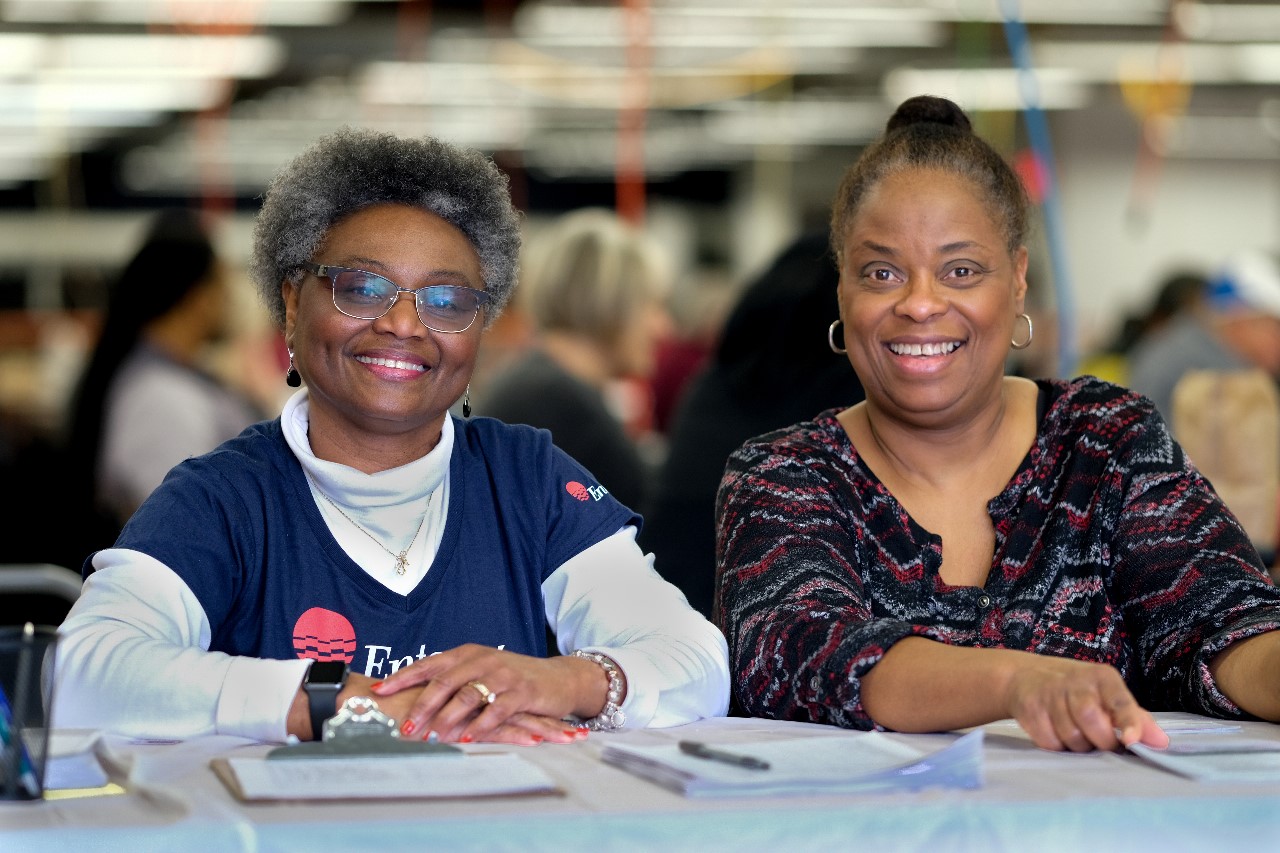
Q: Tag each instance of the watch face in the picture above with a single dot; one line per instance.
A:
(325, 672)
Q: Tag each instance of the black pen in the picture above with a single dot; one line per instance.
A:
(701, 750)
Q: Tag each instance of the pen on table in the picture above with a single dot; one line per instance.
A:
(701, 750)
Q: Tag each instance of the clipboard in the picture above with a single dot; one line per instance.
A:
(380, 773)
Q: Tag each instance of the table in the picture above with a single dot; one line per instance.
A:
(1031, 800)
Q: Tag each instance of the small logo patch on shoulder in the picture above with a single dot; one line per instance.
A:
(583, 493)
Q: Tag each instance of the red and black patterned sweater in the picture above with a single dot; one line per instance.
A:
(1110, 547)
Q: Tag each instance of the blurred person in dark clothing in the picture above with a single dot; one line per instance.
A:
(773, 366)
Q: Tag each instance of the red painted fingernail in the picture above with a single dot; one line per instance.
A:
(465, 739)
(408, 728)
(376, 686)
(536, 738)
(571, 732)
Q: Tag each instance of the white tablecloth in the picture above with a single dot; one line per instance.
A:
(1031, 801)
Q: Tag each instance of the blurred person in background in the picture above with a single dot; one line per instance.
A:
(698, 311)
(144, 403)
(1236, 326)
(595, 294)
(1180, 293)
(771, 367)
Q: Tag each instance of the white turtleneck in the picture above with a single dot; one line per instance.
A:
(133, 655)
(391, 506)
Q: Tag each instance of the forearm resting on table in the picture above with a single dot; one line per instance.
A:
(1061, 703)
(1248, 672)
(925, 686)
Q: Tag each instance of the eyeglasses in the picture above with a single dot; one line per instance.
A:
(364, 295)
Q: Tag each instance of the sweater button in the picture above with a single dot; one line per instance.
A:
(984, 601)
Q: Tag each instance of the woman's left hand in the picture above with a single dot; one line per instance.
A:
(478, 693)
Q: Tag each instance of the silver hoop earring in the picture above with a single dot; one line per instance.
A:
(291, 377)
(1031, 333)
(831, 338)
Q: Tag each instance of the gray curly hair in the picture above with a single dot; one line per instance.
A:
(352, 169)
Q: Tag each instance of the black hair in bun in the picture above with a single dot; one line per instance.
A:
(927, 132)
(929, 109)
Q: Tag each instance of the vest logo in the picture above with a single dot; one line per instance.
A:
(321, 634)
(583, 493)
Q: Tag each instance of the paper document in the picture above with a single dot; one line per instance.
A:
(381, 777)
(1217, 758)
(73, 760)
(864, 762)
(1182, 722)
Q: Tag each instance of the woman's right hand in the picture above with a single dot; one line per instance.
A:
(921, 685)
(1078, 706)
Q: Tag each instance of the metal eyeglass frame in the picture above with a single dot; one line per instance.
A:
(328, 271)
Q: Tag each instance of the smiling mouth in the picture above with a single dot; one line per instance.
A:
(925, 349)
(392, 362)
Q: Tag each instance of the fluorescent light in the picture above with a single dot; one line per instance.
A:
(151, 55)
(526, 78)
(990, 88)
(191, 12)
(133, 96)
(1114, 12)
(1228, 22)
(1258, 63)
(1205, 64)
(78, 121)
(548, 25)
(157, 54)
(21, 52)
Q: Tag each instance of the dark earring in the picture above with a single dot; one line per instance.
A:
(466, 402)
(292, 379)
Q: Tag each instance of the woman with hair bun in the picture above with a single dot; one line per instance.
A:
(966, 546)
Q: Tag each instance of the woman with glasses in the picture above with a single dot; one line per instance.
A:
(367, 544)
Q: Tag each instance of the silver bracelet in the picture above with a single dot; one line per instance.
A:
(610, 717)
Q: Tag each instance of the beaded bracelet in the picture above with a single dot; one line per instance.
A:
(610, 717)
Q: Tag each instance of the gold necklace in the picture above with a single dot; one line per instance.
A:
(402, 559)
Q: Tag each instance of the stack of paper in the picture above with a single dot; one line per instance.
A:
(862, 762)
(1217, 758)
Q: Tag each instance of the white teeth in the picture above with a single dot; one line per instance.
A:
(391, 362)
(924, 349)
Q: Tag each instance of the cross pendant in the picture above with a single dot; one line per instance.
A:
(402, 561)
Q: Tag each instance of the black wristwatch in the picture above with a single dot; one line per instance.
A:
(324, 679)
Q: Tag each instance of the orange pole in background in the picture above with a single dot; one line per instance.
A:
(629, 174)
(413, 23)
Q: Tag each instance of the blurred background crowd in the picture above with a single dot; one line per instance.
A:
(674, 162)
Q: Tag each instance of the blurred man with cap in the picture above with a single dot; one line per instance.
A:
(1236, 327)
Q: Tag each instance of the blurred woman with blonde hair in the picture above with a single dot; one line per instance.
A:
(594, 290)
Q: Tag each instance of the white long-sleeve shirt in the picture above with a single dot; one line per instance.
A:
(134, 651)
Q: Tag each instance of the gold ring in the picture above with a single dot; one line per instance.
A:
(485, 693)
